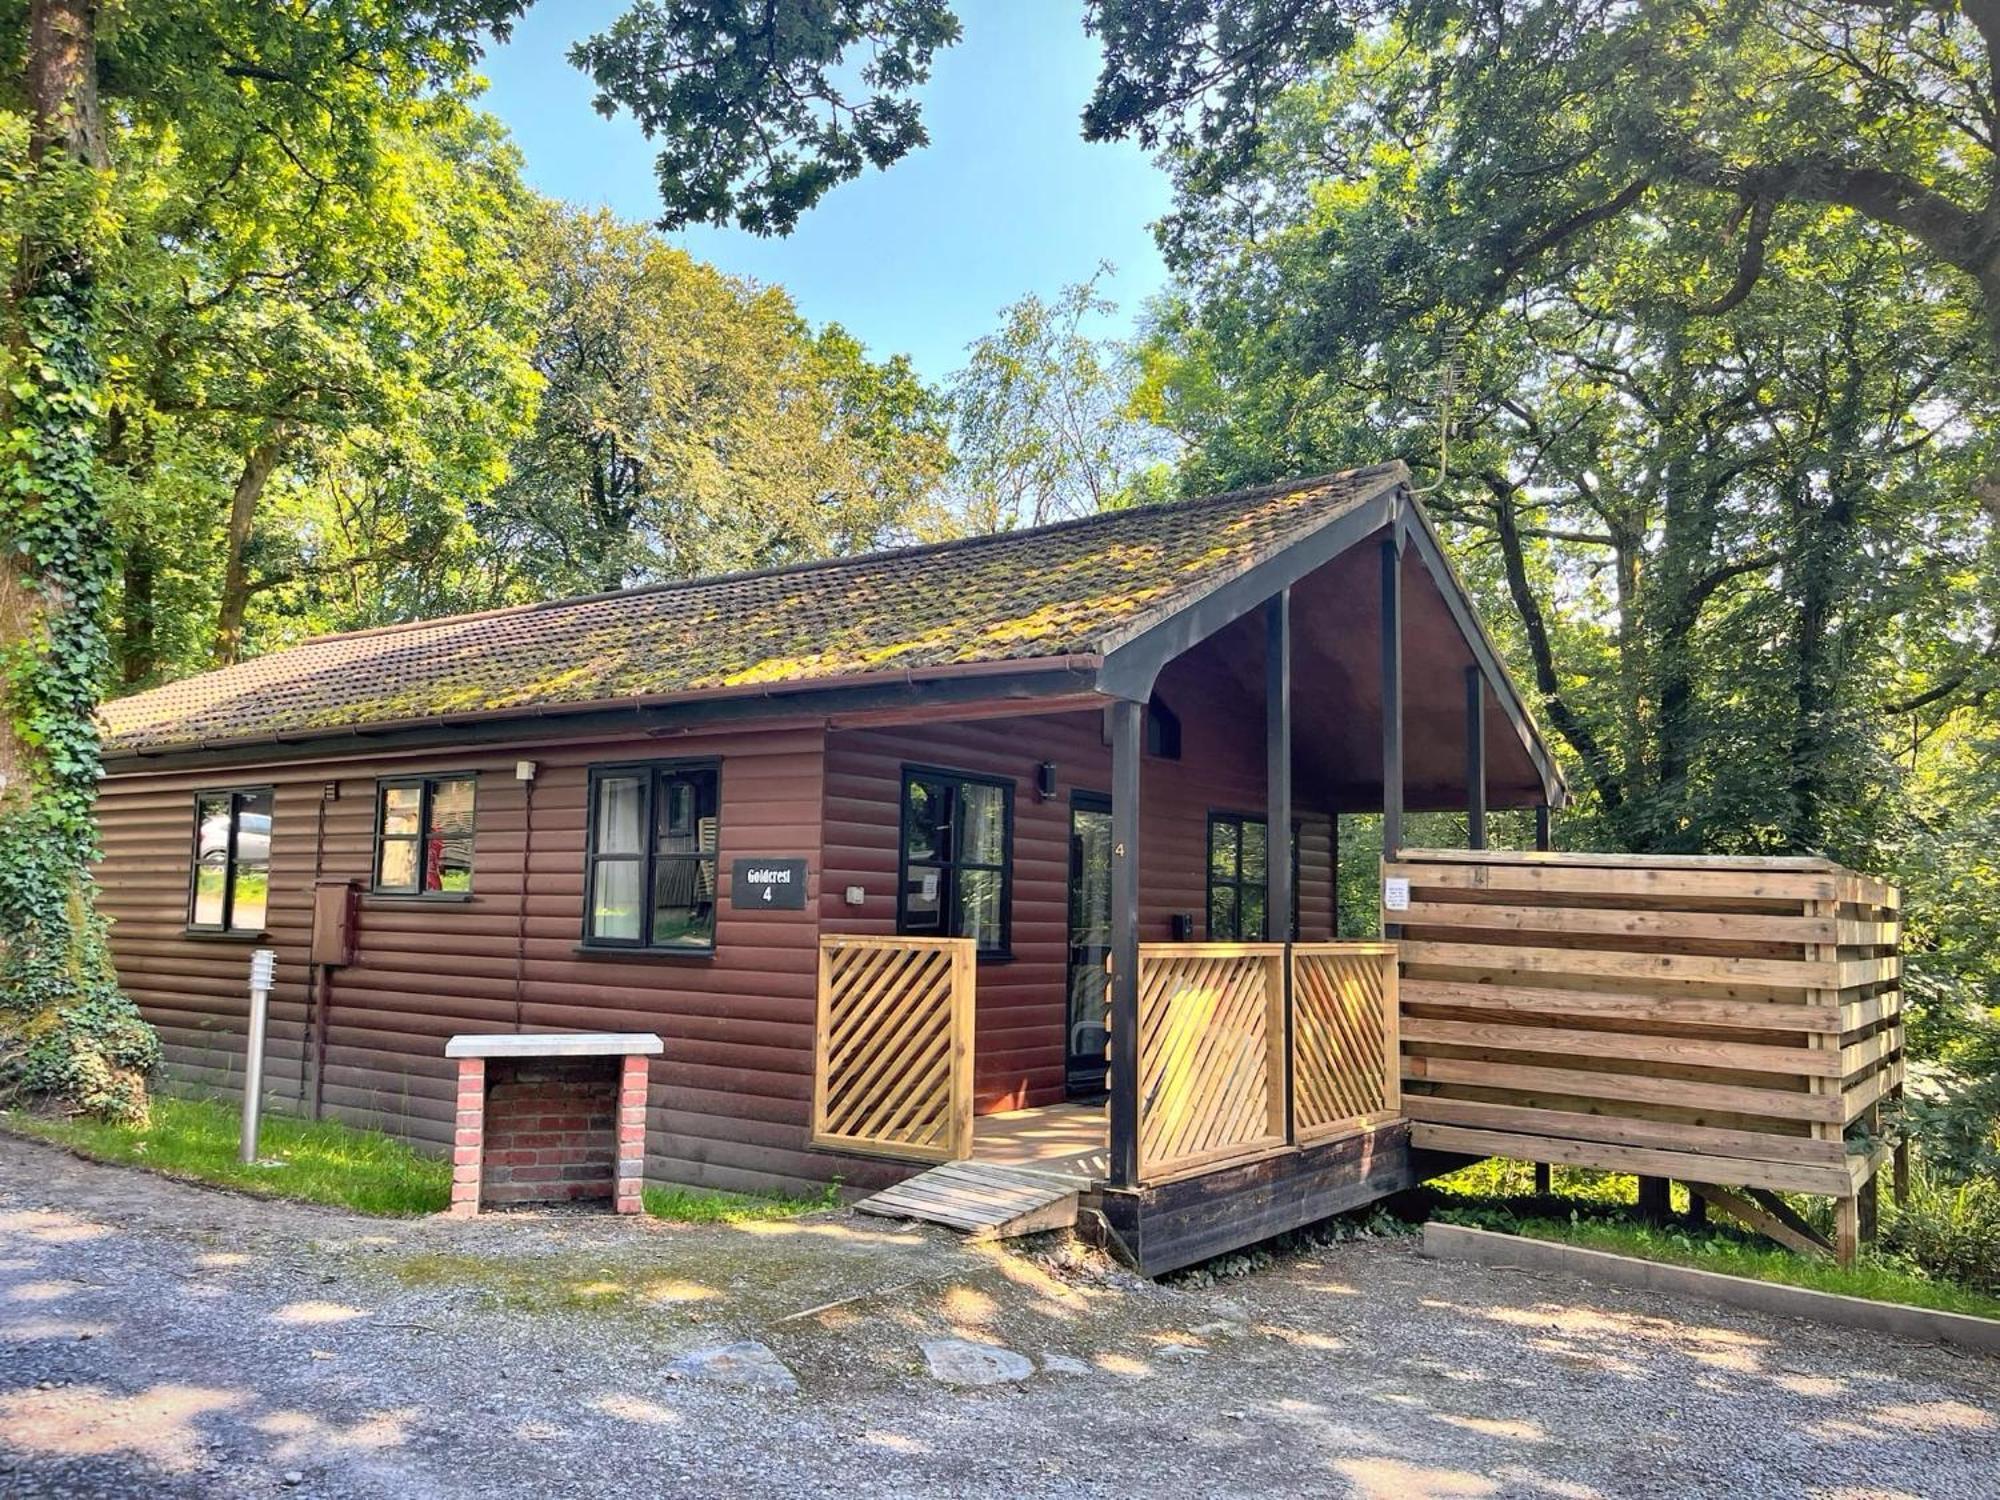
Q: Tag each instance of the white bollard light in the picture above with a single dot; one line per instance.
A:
(263, 970)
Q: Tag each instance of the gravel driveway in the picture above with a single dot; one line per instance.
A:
(166, 1340)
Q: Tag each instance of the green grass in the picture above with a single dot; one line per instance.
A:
(1594, 1210)
(684, 1205)
(1875, 1277)
(321, 1162)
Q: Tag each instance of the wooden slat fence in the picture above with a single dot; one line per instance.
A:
(1344, 1037)
(1211, 1054)
(1713, 1020)
(892, 1072)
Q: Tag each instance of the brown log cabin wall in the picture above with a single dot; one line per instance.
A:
(730, 1098)
(1020, 1015)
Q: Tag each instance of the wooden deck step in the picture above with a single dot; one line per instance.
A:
(982, 1201)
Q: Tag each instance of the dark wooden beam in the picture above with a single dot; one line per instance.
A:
(1475, 757)
(1278, 801)
(1544, 835)
(1416, 525)
(1392, 697)
(1128, 741)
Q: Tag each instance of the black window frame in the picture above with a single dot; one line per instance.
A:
(425, 783)
(948, 868)
(1209, 882)
(224, 929)
(647, 858)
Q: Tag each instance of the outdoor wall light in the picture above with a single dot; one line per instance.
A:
(1045, 780)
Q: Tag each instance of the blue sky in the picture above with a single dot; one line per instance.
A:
(1007, 198)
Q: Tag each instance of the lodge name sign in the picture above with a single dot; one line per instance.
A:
(768, 884)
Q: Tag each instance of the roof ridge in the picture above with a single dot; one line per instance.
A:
(857, 559)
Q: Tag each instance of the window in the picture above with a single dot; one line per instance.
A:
(1237, 873)
(652, 877)
(232, 861)
(958, 836)
(423, 836)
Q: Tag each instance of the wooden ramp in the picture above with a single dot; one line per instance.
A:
(982, 1201)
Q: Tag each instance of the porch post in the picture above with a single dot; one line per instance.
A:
(1475, 757)
(1392, 696)
(1543, 839)
(1128, 737)
(1278, 803)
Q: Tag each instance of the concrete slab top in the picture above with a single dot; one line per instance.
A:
(555, 1044)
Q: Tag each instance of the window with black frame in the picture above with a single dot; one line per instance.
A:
(651, 877)
(423, 835)
(231, 884)
(958, 835)
(1238, 877)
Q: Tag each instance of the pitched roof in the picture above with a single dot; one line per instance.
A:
(1051, 592)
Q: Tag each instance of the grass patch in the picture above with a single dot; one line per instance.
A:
(1594, 1210)
(322, 1162)
(684, 1205)
(1876, 1277)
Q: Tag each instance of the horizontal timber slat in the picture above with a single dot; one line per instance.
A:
(1637, 1047)
(1746, 1014)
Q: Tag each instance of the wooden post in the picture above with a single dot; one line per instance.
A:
(1278, 824)
(1545, 1185)
(1475, 757)
(1392, 696)
(1697, 1208)
(1846, 1229)
(1128, 739)
(1899, 1160)
(1655, 1200)
(1544, 834)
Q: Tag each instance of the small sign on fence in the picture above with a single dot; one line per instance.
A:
(1395, 894)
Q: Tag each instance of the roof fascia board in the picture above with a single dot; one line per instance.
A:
(1130, 668)
(1416, 525)
(1029, 688)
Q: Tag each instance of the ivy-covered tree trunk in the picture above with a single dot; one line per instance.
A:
(67, 1033)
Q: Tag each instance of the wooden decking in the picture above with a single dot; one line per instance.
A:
(1067, 1140)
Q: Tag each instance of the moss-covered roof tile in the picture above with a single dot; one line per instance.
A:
(1052, 591)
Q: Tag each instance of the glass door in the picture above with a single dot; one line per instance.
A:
(1089, 986)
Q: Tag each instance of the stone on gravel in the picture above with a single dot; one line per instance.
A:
(746, 1363)
(961, 1362)
(1063, 1364)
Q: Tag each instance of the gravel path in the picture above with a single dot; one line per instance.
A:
(166, 1340)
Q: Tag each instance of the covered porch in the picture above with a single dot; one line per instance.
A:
(1224, 1077)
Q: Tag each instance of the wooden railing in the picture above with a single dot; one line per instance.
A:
(1344, 1037)
(1211, 1054)
(1720, 1021)
(892, 1071)
(1213, 1062)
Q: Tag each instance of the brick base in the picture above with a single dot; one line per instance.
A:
(549, 1130)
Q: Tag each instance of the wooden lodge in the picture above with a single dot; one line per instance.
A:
(958, 858)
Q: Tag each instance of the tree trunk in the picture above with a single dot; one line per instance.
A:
(66, 1032)
(257, 467)
(138, 633)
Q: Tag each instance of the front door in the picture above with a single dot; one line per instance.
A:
(1089, 985)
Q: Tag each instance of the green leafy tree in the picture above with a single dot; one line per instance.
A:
(1043, 418)
(758, 104)
(1703, 118)
(690, 422)
(754, 125)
